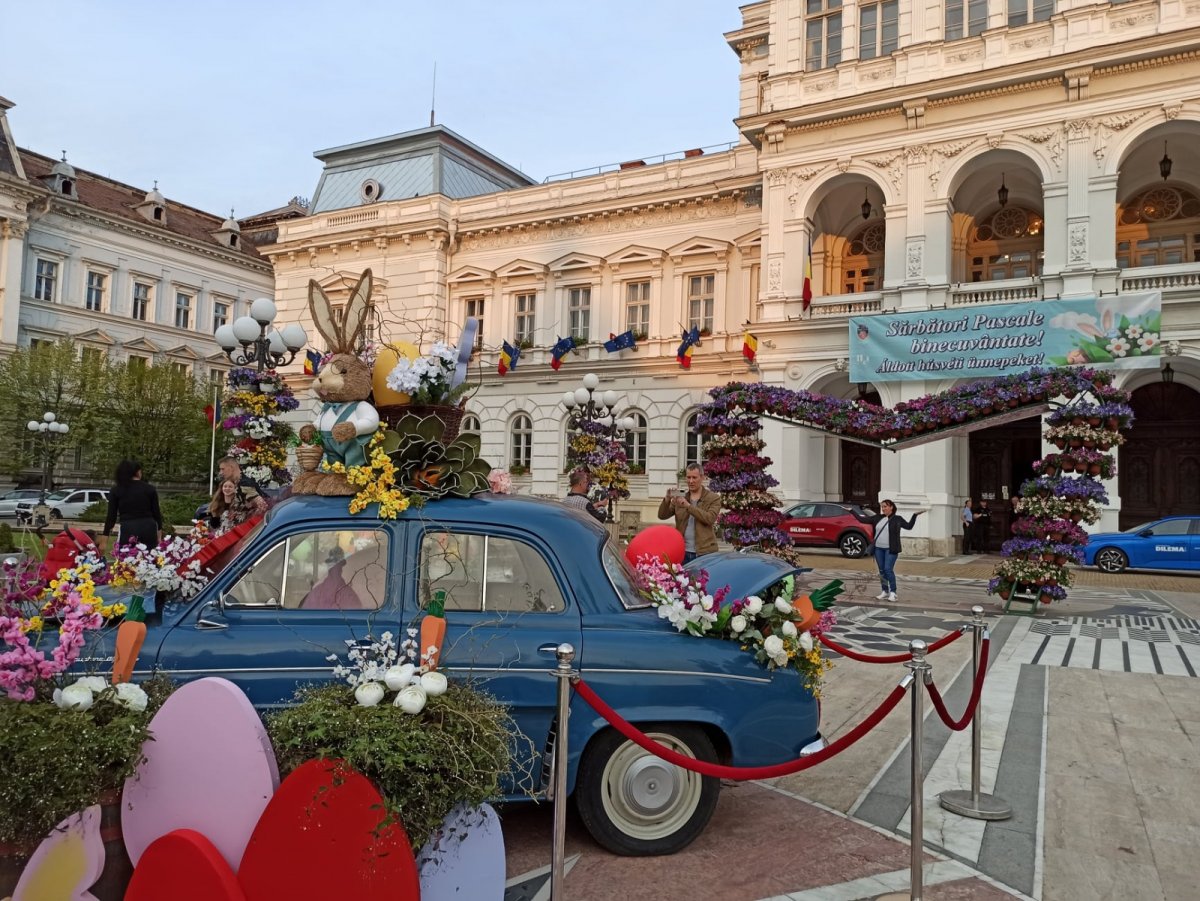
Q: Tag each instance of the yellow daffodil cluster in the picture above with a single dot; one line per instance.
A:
(77, 579)
(258, 404)
(376, 482)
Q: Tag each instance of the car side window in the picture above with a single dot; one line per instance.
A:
(1172, 527)
(829, 510)
(343, 569)
(803, 511)
(487, 573)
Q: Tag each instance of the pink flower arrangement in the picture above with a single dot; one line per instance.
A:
(500, 481)
(24, 666)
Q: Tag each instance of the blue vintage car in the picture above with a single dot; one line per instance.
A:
(521, 576)
(1171, 543)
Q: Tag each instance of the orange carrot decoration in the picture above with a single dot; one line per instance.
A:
(130, 635)
(811, 607)
(433, 631)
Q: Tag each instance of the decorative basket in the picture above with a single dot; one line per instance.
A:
(450, 416)
(309, 456)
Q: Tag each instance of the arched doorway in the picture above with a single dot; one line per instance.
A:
(1158, 471)
(861, 466)
(1002, 458)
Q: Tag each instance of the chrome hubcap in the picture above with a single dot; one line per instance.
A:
(649, 785)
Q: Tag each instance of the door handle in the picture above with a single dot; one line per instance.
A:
(551, 649)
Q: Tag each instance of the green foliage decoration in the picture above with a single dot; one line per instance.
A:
(454, 752)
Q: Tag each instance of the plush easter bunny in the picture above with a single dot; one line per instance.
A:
(347, 420)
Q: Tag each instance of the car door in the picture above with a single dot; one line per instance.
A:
(802, 528)
(508, 606)
(828, 522)
(271, 624)
(1169, 546)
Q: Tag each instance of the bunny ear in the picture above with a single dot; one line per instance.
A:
(323, 315)
(356, 312)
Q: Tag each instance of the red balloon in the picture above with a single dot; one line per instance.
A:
(664, 542)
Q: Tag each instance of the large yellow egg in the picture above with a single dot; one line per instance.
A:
(385, 362)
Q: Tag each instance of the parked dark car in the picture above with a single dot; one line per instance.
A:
(521, 576)
(1171, 543)
(826, 524)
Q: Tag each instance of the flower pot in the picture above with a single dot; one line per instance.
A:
(1076, 420)
(1047, 557)
(1103, 446)
(986, 411)
(945, 420)
(1025, 398)
(1081, 467)
(267, 389)
(1045, 598)
(1054, 536)
(1060, 559)
(1050, 471)
(1094, 469)
(1060, 443)
(1093, 421)
(1113, 423)
(1075, 442)
(1089, 444)
(309, 456)
(1004, 593)
(1012, 401)
(1076, 516)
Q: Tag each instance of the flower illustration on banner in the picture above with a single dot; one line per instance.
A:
(1118, 347)
(1120, 330)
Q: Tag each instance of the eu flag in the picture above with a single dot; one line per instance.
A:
(312, 362)
(623, 341)
(684, 354)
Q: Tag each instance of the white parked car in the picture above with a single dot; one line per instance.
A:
(67, 504)
(9, 501)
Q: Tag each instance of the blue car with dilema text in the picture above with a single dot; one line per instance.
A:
(1171, 543)
(521, 577)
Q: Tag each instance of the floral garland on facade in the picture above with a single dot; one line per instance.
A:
(1065, 492)
(253, 407)
(592, 448)
(780, 630)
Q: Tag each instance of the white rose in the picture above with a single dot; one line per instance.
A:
(753, 605)
(131, 696)
(706, 601)
(806, 641)
(411, 699)
(74, 697)
(783, 606)
(95, 684)
(397, 677)
(773, 645)
(738, 623)
(789, 629)
(434, 684)
(368, 694)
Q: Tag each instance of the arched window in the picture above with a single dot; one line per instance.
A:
(862, 266)
(1007, 244)
(1158, 227)
(470, 424)
(522, 441)
(693, 440)
(635, 443)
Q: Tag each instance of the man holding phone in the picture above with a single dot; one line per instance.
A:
(695, 512)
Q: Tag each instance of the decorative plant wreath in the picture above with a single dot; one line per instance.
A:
(1087, 416)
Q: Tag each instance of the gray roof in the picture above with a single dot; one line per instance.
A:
(426, 161)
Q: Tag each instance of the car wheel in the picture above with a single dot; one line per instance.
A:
(853, 544)
(637, 805)
(1111, 560)
(56, 514)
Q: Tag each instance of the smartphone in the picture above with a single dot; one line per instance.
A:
(672, 492)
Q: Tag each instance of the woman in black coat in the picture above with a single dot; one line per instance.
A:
(133, 503)
(886, 544)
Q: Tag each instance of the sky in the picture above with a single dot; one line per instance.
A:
(224, 103)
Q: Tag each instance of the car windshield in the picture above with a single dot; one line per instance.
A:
(1136, 529)
(622, 576)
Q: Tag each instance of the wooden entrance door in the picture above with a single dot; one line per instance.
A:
(860, 467)
(1002, 458)
(1158, 471)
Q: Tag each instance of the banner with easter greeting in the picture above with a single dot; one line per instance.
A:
(999, 339)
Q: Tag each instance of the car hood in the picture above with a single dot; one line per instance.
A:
(745, 573)
(1111, 536)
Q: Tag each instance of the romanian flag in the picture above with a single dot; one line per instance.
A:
(212, 412)
(312, 362)
(561, 348)
(623, 341)
(508, 358)
(690, 340)
(806, 291)
(749, 347)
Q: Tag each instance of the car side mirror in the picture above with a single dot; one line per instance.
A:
(211, 617)
(1146, 533)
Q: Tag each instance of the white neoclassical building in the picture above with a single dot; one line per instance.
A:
(923, 156)
(121, 271)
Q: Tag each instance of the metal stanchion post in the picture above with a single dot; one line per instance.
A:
(558, 786)
(915, 680)
(973, 803)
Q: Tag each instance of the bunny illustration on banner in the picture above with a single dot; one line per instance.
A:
(347, 420)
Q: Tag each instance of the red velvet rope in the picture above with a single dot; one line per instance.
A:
(888, 658)
(737, 772)
(976, 691)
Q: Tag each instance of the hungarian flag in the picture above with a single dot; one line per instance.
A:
(561, 348)
(690, 340)
(312, 362)
(508, 358)
(623, 341)
(806, 291)
(749, 347)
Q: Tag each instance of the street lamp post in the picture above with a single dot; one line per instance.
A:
(595, 413)
(250, 340)
(49, 428)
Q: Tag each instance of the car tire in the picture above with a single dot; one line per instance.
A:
(56, 513)
(853, 544)
(637, 805)
(1111, 560)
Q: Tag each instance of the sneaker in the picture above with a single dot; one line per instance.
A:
(883, 596)
(891, 596)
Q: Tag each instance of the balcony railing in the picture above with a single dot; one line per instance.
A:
(1013, 290)
(1179, 277)
(847, 304)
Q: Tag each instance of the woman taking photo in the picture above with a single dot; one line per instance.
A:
(886, 544)
(133, 503)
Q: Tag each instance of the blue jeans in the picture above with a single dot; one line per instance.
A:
(886, 561)
(688, 557)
